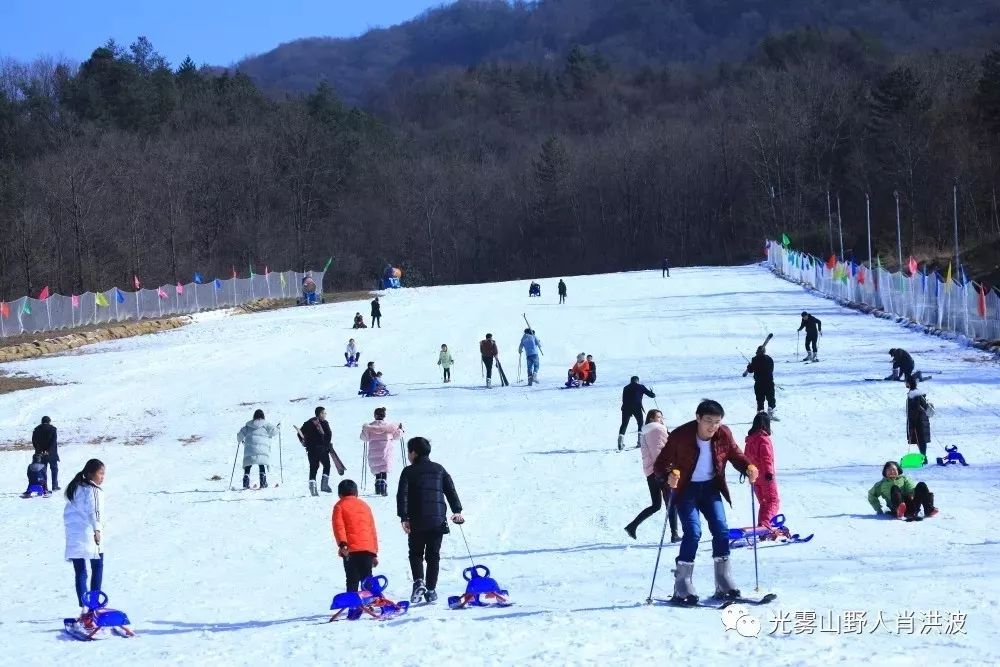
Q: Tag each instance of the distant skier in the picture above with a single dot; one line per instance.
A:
(380, 435)
(762, 367)
(83, 518)
(256, 437)
(317, 438)
(376, 313)
(351, 354)
(901, 496)
(693, 463)
(45, 440)
(653, 438)
(420, 504)
(355, 534)
(918, 423)
(760, 451)
(902, 366)
(445, 361)
(367, 379)
(591, 371)
(632, 394)
(37, 486)
(531, 347)
(562, 291)
(488, 351)
(814, 329)
(666, 268)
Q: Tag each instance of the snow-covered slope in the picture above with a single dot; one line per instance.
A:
(226, 578)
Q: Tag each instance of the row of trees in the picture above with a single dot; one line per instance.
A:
(124, 166)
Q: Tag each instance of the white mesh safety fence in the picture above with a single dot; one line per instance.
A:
(28, 315)
(970, 309)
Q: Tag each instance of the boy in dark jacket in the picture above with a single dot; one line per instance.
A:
(592, 375)
(36, 478)
(420, 504)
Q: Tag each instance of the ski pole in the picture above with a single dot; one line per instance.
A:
(235, 456)
(462, 530)
(518, 366)
(753, 511)
(663, 535)
(402, 452)
(281, 466)
(364, 468)
(797, 334)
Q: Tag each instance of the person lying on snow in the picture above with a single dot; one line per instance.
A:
(901, 496)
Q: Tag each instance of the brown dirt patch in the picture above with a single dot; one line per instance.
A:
(27, 346)
(19, 445)
(19, 381)
(138, 439)
(298, 400)
(101, 439)
(190, 440)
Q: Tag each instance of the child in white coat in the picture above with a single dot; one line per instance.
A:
(84, 521)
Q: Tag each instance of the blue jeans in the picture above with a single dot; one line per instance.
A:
(96, 575)
(532, 364)
(701, 497)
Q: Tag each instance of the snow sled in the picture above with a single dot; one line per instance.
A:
(39, 491)
(954, 456)
(912, 460)
(369, 600)
(98, 620)
(743, 537)
(481, 591)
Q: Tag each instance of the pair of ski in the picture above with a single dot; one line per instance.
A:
(714, 603)
(255, 487)
(923, 378)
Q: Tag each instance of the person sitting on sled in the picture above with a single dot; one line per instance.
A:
(37, 484)
(901, 496)
(378, 387)
(580, 370)
(309, 295)
(759, 449)
(359, 322)
(351, 353)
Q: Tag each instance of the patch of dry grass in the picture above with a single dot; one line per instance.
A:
(19, 381)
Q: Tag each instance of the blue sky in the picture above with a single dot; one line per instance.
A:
(211, 32)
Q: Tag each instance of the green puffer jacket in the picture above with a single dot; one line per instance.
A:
(445, 360)
(883, 489)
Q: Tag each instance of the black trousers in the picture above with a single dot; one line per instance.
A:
(489, 367)
(655, 500)
(562, 298)
(54, 469)
(358, 566)
(263, 469)
(317, 458)
(377, 321)
(627, 413)
(811, 340)
(764, 391)
(425, 545)
(447, 374)
(922, 497)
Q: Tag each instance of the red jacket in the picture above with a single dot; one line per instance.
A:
(354, 525)
(681, 453)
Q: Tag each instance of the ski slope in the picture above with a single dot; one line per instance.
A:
(214, 577)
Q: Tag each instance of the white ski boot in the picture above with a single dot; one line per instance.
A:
(312, 488)
(683, 586)
(621, 442)
(772, 416)
(725, 587)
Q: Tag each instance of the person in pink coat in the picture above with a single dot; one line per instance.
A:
(760, 451)
(379, 435)
(652, 439)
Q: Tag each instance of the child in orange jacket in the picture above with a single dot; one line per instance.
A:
(354, 533)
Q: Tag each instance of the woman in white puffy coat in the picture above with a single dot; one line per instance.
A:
(256, 437)
(84, 521)
(379, 435)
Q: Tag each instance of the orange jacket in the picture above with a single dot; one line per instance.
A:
(581, 370)
(354, 525)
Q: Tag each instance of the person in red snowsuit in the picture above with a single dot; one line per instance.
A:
(760, 451)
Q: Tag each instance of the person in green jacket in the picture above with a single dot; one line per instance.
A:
(902, 497)
(445, 361)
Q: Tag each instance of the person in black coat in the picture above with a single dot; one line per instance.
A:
(420, 504)
(918, 423)
(902, 366)
(367, 379)
(44, 439)
(762, 367)
(562, 291)
(814, 329)
(376, 313)
(317, 437)
(666, 268)
(632, 395)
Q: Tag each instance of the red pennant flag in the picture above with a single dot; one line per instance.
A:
(180, 288)
(75, 301)
(981, 306)
(234, 272)
(861, 275)
(160, 293)
(4, 310)
(831, 262)
(913, 266)
(44, 294)
(135, 281)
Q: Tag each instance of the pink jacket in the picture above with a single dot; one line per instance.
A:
(654, 438)
(379, 435)
(760, 451)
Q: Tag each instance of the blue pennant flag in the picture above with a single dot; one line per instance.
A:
(119, 297)
(218, 284)
(198, 278)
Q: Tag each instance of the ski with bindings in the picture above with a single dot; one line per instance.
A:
(503, 376)
(715, 603)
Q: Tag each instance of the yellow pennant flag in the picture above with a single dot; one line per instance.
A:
(947, 278)
(100, 299)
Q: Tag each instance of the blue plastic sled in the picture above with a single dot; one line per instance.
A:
(481, 591)
(743, 537)
(369, 600)
(954, 456)
(97, 617)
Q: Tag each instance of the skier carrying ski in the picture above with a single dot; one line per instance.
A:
(355, 534)
(562, 291)
(352, 355)
(902, 364)
(367, 379)
(762, 367)
(445, 362)
(759, 450)
(632, 395)
(317, 438)
(693, 465)
(918, 423)
(256, 437)
(901, 496)
(531, 347)
(814, 329)
(652, 439)
(36, 478)
(420, 504)
(488, 351)
(45, 440)
(380, 435)
(376, 313)
(83, 518)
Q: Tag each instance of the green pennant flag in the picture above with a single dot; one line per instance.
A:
(785, 241)
(251, 269)
(27, 308)
(328, 263)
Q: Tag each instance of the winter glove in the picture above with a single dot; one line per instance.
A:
(768, 477)
(745, 373)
